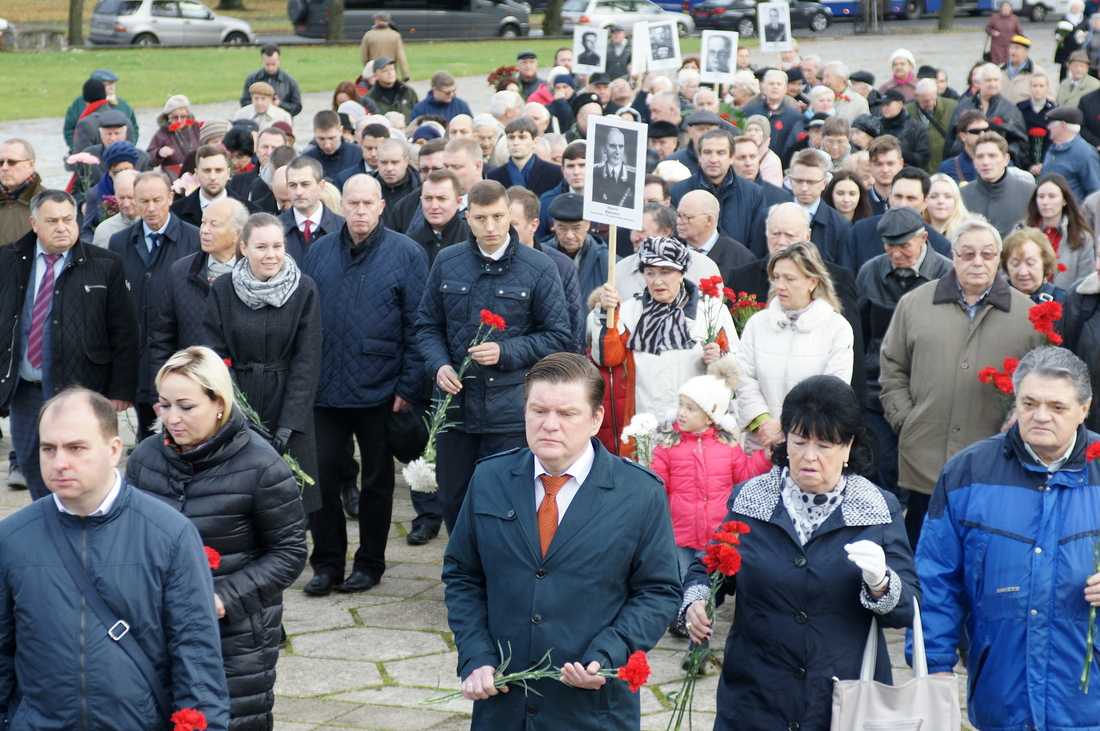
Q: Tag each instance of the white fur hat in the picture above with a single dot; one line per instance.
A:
(713, 391)
(902, 53)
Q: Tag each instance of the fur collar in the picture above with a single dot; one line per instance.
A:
(818, 313)
(863, 503)
(1090, 284)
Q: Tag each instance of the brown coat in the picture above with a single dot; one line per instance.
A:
(1008, 27)
(381, 40)
(930, 361)
(15, 215)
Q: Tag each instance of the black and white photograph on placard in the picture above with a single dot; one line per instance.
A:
(616, 158)
(639, 48)
(589, 50)
(664, 46)
(774, 22)
(718, 60)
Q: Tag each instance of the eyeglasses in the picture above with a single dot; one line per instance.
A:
(977, 130)
(445, 92)
(801, 183)
(12, 163)
(426, 171)
(178, 117)
(970, 255)
(687, 219)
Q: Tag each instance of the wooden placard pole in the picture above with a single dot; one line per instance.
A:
(612, 247)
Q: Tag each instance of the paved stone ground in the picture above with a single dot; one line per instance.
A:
(367, 661)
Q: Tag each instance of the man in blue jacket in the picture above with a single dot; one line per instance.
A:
(370, 280)
(1008, 546)
(65, 668)
(492, 271)
(441, 99)
(561, 549)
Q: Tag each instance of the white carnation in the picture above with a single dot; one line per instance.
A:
(420, 475)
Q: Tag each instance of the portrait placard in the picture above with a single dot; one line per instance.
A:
(773, 21)
(615, 160)
(664, 46)
(639, 48)
(718, 60)
(589, 50)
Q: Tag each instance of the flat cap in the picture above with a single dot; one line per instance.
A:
(1021, 41)
(863, 76)
(658, 130)
(900, 224)
(261, 88)
(567, 207)
(381, 62)
(1078, 55)
(1069, 115)
(703, 116)
(893, 95)
(383, 16)
(104, 75)
(599, 78)
(112, 118)
(286, 128)
(526, 54)
(926, 72)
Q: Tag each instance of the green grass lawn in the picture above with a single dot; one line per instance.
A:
(44, 84)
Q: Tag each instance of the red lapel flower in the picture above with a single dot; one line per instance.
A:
(1092, 451)
(779, 124)
(636, 671)
(212, 557)
(228, 362)
(188, 719)
(1062, 267)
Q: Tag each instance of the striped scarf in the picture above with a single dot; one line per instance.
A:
(662, 326)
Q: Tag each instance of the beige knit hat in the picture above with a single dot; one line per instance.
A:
(176, 101)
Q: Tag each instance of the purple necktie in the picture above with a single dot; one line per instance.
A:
(38, 316)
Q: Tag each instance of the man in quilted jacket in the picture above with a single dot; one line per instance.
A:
(492, 271)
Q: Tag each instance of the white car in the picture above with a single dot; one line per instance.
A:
(606, 13)
(164, 22)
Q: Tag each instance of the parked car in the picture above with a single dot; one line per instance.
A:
(167, 22)
(1036, 10)
(606, 13)
(740, 15)
(416, 18)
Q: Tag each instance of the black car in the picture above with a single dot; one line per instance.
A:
(740, 15)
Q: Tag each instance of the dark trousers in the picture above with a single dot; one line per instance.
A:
(456, 454)
(328, 526)
(914, 516)
(146, 418)
(429, 510)
(887, 476)
(25, 405)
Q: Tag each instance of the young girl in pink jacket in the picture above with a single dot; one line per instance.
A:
(700, 461)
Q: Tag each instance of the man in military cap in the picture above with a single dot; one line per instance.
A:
(613, 181)
(583, 105)
(571, 237)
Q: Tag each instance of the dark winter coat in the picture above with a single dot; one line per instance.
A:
(1037, 120)
(936, 129)
(865, 243)
(242, 498)
(448, 110)
(64, 672)
(368, 308)
(189, 208)
(577, 301)
(1003, 203)
(543, 177)
(455, 232)
(524, 288)
(1090, 110)
(913, 137)
(149, 275)
(1012, 125)
(346, 155)
(742, 204)
(404, 99)
(179, 324)
(285, 86)
(1080, 327)
(829, 232)
(590, 262)
(728, 253)
(296, 245)
(91, 337)
(393, 193)
(182, 141)
(276, 356)
(803, 612)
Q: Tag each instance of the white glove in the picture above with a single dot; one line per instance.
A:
(870, 557)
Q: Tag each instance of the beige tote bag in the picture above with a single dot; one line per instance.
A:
(925, 703)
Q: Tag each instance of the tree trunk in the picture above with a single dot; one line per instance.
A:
(231, 5)
(551, 23)
(335, 20)
(76, 23)
(947, 15)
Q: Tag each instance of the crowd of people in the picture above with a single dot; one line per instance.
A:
(271, 309)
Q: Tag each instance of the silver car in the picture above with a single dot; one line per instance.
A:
(606, 13)
(167, 22)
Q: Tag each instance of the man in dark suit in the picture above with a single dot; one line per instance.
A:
(212, 168)
(148, 250)
(697, 226)
(589, 57)
(308, 218)
(613, 181)
(775, 31)
(787, 223)
(524, 167)
(71, 321)
(542, 528)
(746, 164)
(829, 231)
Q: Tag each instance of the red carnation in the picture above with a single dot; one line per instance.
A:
(722, 558)
(742, 294)
(212, 557)
(1092, 451)
(635, 672)
(779, 124)
(1037, 132)
(228, 362)
(727, 293)
(1003, 383)
(802, 135)
(1010, 365)
(985, 375)
(188, 719)
(997, 121)
(174, 127)
(488, 318)
(735, 526)
(709, 286)
(1062, 267)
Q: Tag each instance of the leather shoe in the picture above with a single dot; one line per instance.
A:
(357, 582)
(321, 584)
(350, 495)
(420, 535)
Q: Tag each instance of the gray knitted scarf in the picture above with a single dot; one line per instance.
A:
(275, 291)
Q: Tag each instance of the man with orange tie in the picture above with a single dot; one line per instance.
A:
(559, 548)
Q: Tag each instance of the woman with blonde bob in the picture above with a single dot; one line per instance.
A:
(802, 333)
(945, 209)
(1030, 262)
(206, 462)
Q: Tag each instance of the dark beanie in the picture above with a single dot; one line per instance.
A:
(94, 91)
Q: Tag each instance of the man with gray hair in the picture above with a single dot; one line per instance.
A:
(1069, 154)
(773, 106)
(933, 113)
(1008, 547)
(127, 209)
(441, 99)
(991, 103)
(943, 333)
(697, 226)
(848, 104)
(19, 184)
(71, 321)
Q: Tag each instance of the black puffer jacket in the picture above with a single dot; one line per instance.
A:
(913, 137)
(241, 496)
(179, 324)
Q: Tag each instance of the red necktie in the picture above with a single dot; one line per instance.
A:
(548, 510)
(306, 231)
(41, 306)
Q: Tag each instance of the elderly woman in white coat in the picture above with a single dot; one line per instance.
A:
(802, 333)
(659, 336)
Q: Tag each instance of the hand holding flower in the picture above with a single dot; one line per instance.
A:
(481, 683)
(579, 676)
(486, 354)
(698, 623)
(1092, 590)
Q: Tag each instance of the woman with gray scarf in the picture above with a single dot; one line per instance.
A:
(265, 320)
(659, 336)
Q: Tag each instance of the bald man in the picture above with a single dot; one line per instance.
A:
(697, 226)
(461, 125)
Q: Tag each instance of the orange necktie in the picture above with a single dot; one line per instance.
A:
(548, 510)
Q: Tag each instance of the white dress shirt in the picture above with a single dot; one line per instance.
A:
(204, 201)
(104, 507)
(315, 219)
(578, 473)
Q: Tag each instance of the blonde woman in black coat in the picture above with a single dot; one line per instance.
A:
(205, 461)
(265, 319)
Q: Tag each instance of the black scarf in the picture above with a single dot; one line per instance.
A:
(662, 326)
